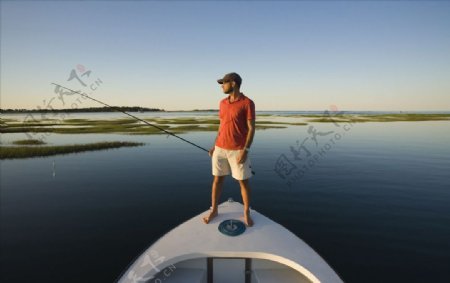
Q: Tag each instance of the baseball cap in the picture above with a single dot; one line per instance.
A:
(231, 77)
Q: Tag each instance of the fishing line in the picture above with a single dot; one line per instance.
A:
(139, 119)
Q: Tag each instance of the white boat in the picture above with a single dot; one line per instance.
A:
(195, 252)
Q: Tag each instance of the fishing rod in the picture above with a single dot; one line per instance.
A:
(137, 118)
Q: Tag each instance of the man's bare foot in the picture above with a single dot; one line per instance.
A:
(210, 217)
(247, 219)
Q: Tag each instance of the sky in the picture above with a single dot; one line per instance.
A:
(291, 55)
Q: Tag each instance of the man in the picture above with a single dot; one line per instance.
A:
(232, 145)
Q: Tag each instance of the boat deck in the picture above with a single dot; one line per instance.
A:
(266, 252)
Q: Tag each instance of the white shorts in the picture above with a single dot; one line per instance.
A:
(224, 162)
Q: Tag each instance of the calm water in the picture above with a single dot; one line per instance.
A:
(375, 206)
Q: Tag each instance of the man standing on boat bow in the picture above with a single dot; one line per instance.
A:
(232, 145)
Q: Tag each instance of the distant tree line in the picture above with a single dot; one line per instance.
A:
(78, 110)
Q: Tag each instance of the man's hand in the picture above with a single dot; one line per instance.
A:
(211, 151)
(242, 156)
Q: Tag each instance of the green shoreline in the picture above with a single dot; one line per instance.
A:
(382, 118)
(124, 126)
(14, 152)
(129, 126)
(184, 125)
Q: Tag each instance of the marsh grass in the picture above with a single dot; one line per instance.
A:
(34, 148)
(280, 123)
(28, 142)
(264, 127)
(183, 125)
(24, 125)
(128, 126)
(3, 121)
(40, 151)
(383, 118)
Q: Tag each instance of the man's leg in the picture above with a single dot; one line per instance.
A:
(245, 192)
(215, 195)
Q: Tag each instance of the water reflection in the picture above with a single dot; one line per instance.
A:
(382, 189)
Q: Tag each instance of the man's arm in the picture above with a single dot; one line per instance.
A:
(248, 141)
(250, 134)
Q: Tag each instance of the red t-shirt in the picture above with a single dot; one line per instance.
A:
(233, 116)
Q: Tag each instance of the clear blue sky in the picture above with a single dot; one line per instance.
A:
(291, 55)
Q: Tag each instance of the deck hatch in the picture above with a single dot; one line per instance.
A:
(232, 227)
